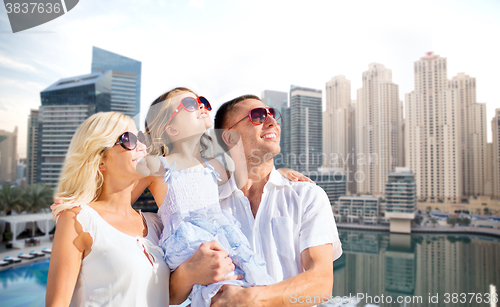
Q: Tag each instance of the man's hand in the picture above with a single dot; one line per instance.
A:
(208, 264)
(236, 297)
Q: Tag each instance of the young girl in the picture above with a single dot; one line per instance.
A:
(184, 185)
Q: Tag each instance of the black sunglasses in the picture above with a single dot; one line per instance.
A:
(128, 140)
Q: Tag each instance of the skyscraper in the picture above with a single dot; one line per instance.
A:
(495, 129)
(32, 148)
(8, 155)
(306, 128)
(125, 80)
(65, 105)
(339, 129)
(279, 100)
(473, 134)
(433, 130)
(378, 129)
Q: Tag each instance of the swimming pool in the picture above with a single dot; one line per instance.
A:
(24, 285)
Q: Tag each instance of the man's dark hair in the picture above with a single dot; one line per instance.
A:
(221, 117)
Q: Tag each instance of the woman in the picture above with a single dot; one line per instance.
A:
(105, 252)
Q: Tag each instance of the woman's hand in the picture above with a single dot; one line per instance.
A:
(294, 176)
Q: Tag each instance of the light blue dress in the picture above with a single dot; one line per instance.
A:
(191, 214)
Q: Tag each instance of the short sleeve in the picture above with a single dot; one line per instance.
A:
(318, 224)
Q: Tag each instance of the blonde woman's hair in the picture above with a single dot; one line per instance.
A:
(81, 180)
(159, 114)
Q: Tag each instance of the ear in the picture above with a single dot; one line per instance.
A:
(230, 137)
(102, 167)
(169, 130)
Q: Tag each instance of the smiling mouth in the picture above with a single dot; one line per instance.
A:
(203, 115)
(139, 159)
(270, 136)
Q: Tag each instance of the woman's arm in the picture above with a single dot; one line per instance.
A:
(293, 175)
(70, 246)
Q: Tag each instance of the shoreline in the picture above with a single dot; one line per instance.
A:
(438, 229)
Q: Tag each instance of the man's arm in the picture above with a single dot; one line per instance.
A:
(208, 264)
(305, 289)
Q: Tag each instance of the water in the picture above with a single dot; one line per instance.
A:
(423, 269)
(415, 267)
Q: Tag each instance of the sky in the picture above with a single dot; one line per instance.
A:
(223, 49)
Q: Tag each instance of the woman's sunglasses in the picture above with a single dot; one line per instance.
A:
(191, 104)
(259, 115)
(128, 140)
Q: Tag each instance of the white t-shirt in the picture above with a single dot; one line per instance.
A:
(117, 271)
(292, 216)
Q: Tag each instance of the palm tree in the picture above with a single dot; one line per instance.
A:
(11, 198)
(38, 196)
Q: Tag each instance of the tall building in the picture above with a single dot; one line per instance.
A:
(8, 155)
(472, 134)
(65, 105)
(32, 148)
(339, 129)
(433, 130)
(306, 128)
(279, 100)
(378, 129)
(125, 80)
(488, 182)
(495, 127)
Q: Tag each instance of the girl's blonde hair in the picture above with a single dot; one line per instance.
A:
(81, 180)
(158, 115)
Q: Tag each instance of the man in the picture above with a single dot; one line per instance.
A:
(289, 224)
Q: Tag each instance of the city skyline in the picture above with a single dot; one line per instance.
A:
(191, 44)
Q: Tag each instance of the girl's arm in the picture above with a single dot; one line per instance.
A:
(151, 168)
(69, 248)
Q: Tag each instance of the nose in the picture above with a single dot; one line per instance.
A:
(270, 120)
(141, 146)
(200, 105)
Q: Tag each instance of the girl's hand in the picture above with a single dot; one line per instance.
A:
(294, 176)
(57, 202)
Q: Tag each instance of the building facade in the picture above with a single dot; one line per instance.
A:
(8, 155)
(339, 143)
(472, 134)
(379, 129)
(433, 130)
(306, 150)
(65, 105)
(401, 192)
(332, 180)
(32, 148)
(495, 129)
(125, 80)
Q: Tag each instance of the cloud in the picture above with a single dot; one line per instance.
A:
(16, 65)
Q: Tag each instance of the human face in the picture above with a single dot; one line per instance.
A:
(190, 123)
(124, 163)
(261, 142)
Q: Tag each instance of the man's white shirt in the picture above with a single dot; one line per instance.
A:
(292, 216)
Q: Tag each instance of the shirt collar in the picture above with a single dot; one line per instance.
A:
(277, 179)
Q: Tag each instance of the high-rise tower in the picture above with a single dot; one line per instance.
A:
(379, 129)
(433, 130)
